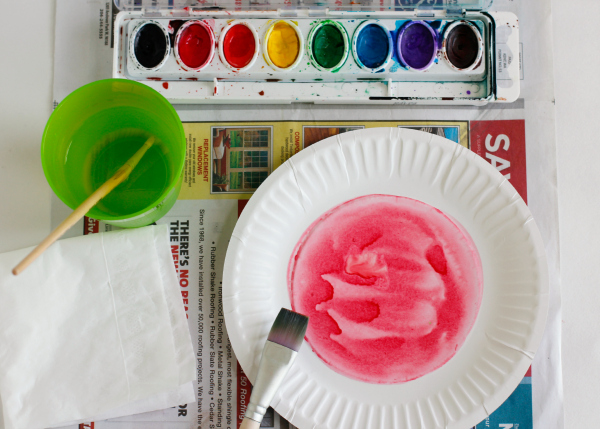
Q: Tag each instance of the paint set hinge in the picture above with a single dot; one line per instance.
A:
(425, 13)
(318, 13)
(161, 13)
(303, 12)
(456, 12)
(151, 13)
(287, 13)
(179, 13)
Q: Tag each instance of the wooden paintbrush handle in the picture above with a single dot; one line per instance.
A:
(117, 178)
(249, 424)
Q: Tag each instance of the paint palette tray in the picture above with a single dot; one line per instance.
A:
(259, 53)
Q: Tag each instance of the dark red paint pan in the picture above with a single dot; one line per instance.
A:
(194, 45)
(238, 46)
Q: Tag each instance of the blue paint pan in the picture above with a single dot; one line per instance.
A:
(372, 46)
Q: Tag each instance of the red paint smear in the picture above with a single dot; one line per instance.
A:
(155, 78)
(261, 93)
(392, 287)
(239, 46)
(166, 85)
(195, 46)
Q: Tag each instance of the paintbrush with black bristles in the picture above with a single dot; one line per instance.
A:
(284, 341)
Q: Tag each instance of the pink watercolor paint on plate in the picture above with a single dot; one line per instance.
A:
(392, 287)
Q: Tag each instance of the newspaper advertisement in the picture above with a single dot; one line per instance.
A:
(231, 150)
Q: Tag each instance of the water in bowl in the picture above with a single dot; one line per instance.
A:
(95, 160)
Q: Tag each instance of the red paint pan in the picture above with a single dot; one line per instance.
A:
(238, 46)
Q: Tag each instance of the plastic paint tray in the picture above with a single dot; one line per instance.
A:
(426, 61)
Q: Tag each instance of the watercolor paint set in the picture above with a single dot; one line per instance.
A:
(408, 52)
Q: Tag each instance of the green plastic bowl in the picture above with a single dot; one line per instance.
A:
(118, 114)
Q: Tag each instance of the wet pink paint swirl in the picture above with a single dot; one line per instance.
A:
(392, 287)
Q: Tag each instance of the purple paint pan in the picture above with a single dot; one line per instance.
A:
(417, 45)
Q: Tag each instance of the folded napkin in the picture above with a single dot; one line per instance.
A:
(93, 329)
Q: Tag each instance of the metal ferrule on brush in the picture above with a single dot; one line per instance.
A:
(275, 363)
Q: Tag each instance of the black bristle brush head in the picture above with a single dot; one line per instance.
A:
(288, 329)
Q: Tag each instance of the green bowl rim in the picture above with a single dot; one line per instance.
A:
(178, 170)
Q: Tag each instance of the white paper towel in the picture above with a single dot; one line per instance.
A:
(93, 329)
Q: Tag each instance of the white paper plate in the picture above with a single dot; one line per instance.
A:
(403, 162)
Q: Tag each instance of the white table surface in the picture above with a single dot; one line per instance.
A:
(27, 37)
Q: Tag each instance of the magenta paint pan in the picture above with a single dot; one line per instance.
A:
(417, 45)
(462, 46)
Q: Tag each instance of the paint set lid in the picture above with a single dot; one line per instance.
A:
(313, 5)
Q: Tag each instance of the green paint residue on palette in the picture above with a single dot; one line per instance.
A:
(329, 46)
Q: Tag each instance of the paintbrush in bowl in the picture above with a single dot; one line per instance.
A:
(280, 351)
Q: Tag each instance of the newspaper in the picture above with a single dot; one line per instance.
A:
(221, 172)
